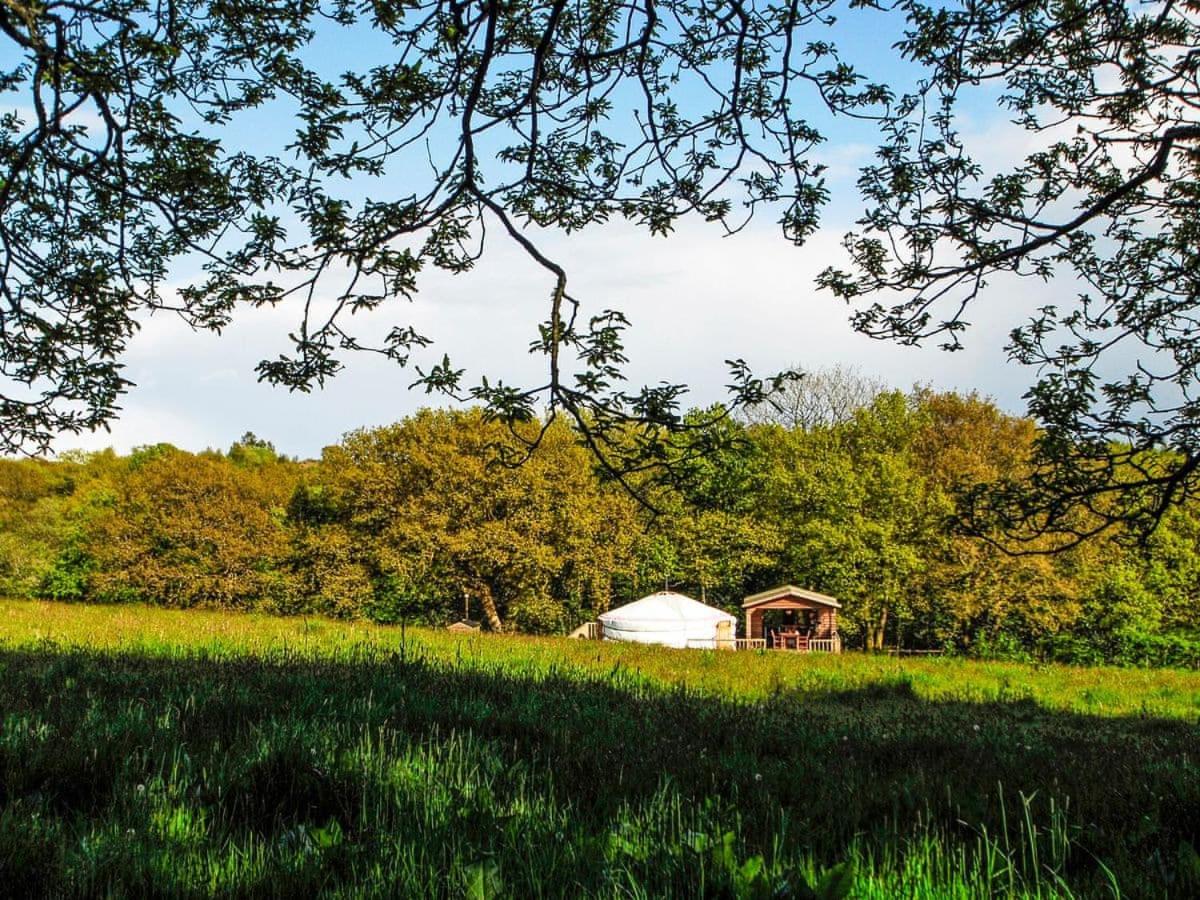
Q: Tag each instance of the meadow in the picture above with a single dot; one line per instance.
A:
(149, 752)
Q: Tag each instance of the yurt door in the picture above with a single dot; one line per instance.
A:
(725, 635)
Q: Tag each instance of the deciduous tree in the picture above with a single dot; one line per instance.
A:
(439, 516)
(187, 530)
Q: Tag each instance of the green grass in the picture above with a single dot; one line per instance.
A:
(150, 752)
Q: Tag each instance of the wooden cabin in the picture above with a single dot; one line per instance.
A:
(792, 618)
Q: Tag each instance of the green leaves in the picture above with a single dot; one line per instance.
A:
(1188, 866)
(134, 170)
(462, 116)
(753, 879)
(835, 884)
(1073, 209)
(328, 836)
(510, 516)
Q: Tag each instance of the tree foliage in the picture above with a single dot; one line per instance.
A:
(124, 162)
(562, 114)
(187, 530)
(416, 520)
(439, 521)
(1103, 202)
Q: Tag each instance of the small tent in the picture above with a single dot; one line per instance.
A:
(671, 619)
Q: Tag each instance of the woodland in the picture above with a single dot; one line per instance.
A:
(840, 485)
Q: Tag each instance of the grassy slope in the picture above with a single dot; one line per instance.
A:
(150, 751)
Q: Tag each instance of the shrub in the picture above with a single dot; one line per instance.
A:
(1126, 648)
(68, 576)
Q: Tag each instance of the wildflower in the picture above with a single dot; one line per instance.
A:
(976, 727)
(758, 776)
(140, 789)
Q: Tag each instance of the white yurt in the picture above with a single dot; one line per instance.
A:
(671, 619)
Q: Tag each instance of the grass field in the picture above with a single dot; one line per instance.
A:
(149, 752)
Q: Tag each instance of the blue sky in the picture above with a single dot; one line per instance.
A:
(694, 299)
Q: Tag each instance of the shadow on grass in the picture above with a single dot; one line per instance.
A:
(431, 766)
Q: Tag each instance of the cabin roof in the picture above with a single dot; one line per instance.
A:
(790, 590)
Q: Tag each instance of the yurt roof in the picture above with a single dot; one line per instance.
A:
(665, 606)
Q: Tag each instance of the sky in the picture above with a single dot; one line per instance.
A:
(694, 299)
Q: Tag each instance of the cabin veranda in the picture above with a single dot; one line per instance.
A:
(792, 618)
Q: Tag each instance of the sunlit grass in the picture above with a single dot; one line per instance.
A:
(1104, 691)
(146, 751)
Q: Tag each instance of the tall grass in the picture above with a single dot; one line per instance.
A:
(1097, 691)
(153, 753)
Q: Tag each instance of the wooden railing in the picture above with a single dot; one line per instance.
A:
(825, 645)
(809, 645)
(594, 631)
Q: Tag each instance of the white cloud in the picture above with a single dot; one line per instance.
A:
(694, 299)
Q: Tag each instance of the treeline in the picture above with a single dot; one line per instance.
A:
(417, 520)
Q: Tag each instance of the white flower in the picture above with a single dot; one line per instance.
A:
(976, 727)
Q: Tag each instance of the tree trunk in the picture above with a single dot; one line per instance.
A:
(875, 631)
(489, 608)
